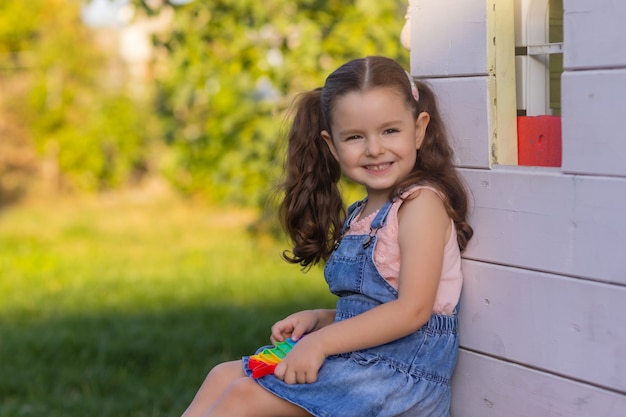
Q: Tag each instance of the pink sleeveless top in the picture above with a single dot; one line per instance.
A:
(387, 255)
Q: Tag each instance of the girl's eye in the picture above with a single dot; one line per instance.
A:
(391, 130)
(353, 137)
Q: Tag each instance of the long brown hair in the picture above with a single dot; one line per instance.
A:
(312, 210)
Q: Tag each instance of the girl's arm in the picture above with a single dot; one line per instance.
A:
(424, 228)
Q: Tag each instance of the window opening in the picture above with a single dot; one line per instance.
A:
(539, 65)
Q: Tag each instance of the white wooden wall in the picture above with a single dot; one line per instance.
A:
(543, 314)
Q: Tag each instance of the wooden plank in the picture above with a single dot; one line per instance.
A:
(501, 81)
(571, 327)
(448, 37)
(488, 387)
(594, 34)
(594, 106)
(540, 219)
(600, 222)
(463, 104)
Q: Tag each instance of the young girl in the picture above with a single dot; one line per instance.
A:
(393, 259)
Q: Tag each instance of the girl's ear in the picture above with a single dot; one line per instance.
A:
(329, 141)
(420, 128)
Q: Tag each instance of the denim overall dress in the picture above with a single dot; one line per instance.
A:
(408, 377)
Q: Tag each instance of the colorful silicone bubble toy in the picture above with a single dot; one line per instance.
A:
(264, 362)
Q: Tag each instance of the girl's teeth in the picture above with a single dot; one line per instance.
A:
(378, 167)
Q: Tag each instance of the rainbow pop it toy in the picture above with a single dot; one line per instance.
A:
(264, 362)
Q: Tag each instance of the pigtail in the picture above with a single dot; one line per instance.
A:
(435, 159)
(434, 166)
(312, 209)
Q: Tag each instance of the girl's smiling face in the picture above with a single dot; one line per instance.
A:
(374, 137)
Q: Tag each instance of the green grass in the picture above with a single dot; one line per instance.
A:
(119, 306)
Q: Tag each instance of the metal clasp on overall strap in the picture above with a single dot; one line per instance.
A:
(368, 240)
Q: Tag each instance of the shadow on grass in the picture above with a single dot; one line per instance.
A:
(118, 365)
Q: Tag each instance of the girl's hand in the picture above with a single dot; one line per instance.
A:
(302, 363)
(295, 326)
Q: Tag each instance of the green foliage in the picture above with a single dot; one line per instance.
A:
(106, 148)
(79, 117)
(18, 24)
(232, 69)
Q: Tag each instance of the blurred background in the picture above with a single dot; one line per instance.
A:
(140, 141)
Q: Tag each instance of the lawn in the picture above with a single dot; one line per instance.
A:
(119, 305)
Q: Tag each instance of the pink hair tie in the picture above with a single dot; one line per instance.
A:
(414, 91)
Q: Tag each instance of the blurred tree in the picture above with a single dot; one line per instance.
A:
(230, 68)
(17, 157)
(72, 102)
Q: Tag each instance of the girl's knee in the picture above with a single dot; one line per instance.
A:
(226, 372)
(218, 378)
(214, 386)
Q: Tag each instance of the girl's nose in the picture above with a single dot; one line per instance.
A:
(373, 146)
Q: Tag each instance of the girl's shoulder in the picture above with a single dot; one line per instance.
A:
(415, 190)
(426, 205)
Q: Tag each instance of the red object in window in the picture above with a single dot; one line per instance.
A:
(539, 141)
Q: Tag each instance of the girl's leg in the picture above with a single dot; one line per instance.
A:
(245, 398)
(227, 391)
(216, 382)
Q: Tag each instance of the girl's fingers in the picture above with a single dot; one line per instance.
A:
(279, 371)
(280, 331)
(298, 332)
